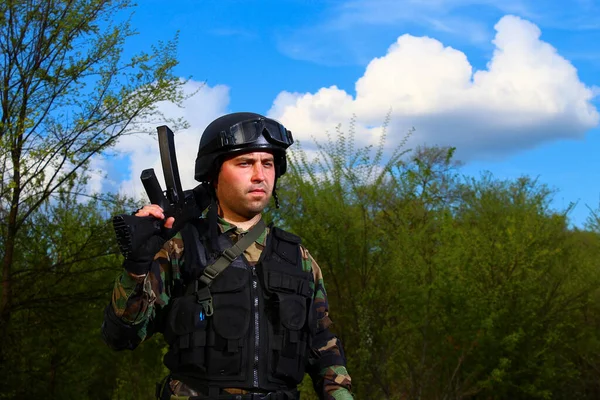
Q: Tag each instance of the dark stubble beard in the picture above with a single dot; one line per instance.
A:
(251, 208)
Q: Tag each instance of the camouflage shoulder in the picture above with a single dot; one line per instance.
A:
(175, 244)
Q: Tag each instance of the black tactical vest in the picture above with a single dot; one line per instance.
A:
(259, 334)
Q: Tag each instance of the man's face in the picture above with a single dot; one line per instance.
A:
(245, 185)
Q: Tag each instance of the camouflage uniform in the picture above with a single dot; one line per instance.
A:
(139, 302)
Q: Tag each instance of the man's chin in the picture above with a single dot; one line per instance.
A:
(256, 208)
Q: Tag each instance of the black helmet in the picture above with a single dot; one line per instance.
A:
(237, 133)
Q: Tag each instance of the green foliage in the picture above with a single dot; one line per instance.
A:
(442, 286)
(66, 96)
(67, 262)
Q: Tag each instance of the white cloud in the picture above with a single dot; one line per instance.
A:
(528, 94)
(199, 110)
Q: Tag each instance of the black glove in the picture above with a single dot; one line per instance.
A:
(139, 238)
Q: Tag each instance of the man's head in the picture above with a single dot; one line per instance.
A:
(245, 184)
(243, 155)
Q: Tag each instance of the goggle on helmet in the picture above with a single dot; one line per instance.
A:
(242, 135)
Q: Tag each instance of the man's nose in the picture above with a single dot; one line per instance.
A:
(258, 173)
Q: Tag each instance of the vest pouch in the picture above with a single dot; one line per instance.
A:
(229, 324)
(292, 311)
(290, 338)
(291, 295)
(185, 332)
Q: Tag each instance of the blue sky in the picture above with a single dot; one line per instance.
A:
(512, 84)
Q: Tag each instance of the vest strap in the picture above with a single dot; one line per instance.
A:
(204, 298)
(230, 254)
(203, 295)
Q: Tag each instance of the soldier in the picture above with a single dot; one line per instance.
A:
(238, 327)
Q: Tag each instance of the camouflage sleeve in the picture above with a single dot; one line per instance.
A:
(134, 313)
(327, 364)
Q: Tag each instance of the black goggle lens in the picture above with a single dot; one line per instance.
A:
(248, 131)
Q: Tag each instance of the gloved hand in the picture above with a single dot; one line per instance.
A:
(145, 237)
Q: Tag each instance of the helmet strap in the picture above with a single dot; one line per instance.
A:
(274, 193)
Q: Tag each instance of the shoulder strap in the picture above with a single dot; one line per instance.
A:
(211, 271)
(228, 255)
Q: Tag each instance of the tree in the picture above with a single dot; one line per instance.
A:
(442, 286)
(65, 96)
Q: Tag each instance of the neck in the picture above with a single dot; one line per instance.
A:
(243, 224)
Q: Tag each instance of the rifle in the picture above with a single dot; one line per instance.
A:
(183, 205)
